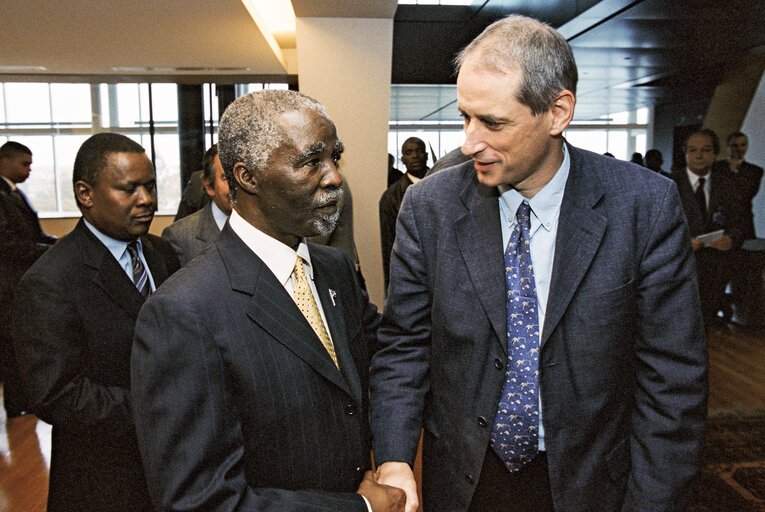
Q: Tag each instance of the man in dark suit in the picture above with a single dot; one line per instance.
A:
(249, 367)
(415, 158)
(190, 235)
(22, 241)
(75, 311)
(746, 175)
(711, 205)
(568, 373)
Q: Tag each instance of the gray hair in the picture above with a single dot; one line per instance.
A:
(249, 132)
(543, 55)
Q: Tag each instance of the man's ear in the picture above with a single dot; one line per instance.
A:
(562, 110)
(83, 192)
(245, 179)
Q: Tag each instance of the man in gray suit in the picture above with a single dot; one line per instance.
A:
(543, 323)
(250, 369)
(190, 235)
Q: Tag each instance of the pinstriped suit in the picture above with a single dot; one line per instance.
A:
(237, 404)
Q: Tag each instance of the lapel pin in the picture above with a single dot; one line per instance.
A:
(332, 294)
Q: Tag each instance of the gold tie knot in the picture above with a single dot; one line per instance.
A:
(305, 301)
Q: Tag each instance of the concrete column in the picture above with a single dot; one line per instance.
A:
(345, 64)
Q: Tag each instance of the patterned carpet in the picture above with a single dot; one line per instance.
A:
(732, 477)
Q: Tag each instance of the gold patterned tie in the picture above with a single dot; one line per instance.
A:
(307, 305)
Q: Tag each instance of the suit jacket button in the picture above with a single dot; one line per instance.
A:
(498, 364)
(482, 421)
(469, 479)
(350, 410)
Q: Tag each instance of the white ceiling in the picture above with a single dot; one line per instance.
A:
(149, 37)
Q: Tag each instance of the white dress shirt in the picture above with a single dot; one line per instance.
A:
(280, 259)
(694, 179)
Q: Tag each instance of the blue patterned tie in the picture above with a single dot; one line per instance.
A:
(140, 276)
(514, 435)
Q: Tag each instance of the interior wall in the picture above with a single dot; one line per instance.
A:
(63, 225)
(345, 64)
(733, 96)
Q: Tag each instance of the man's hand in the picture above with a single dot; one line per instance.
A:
(724, 243)
(399, 474)
(696, 244)
(382, 498)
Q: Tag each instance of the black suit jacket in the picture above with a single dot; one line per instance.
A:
(75, 311)
(747, 181)
(622, 355)
(724, 210)
(22, 241)
(237, 404)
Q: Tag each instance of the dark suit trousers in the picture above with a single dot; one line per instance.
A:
(499, 490)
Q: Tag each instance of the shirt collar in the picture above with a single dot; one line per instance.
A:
(116, 247)
(219, 217)
(10, 183)
(545, 204)
(278, 257)
(694, 178)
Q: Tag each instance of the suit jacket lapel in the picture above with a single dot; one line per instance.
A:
(208, 229)
(580, 231)
(479, 237)
(272, 308)
(332, 304)
(157, 266)
(107, 273)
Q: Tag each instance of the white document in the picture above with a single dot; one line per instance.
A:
(708, 238)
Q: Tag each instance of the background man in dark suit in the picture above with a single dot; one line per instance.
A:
(191, 234)
(246, 398)
(22, 241)
(75, 311)
(576, 380)
(710, 202)
(415, 158)
(747, 177)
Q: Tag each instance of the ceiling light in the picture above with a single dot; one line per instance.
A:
(278, 17)
(20, 69)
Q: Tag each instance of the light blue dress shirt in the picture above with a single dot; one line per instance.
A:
(118, 248)
(545, 212)
(219, 216)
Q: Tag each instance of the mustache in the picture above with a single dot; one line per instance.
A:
(330, 196)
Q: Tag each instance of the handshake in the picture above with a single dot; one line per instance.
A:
(391, 488)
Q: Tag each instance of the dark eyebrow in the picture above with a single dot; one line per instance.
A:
(491, 119)
(314, 150)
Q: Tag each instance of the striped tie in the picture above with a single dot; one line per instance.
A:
(140, 276)
(307, 305)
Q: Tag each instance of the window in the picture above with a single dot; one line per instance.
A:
(430, 113)
(54, 119)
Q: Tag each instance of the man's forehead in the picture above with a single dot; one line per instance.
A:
(700, 139)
